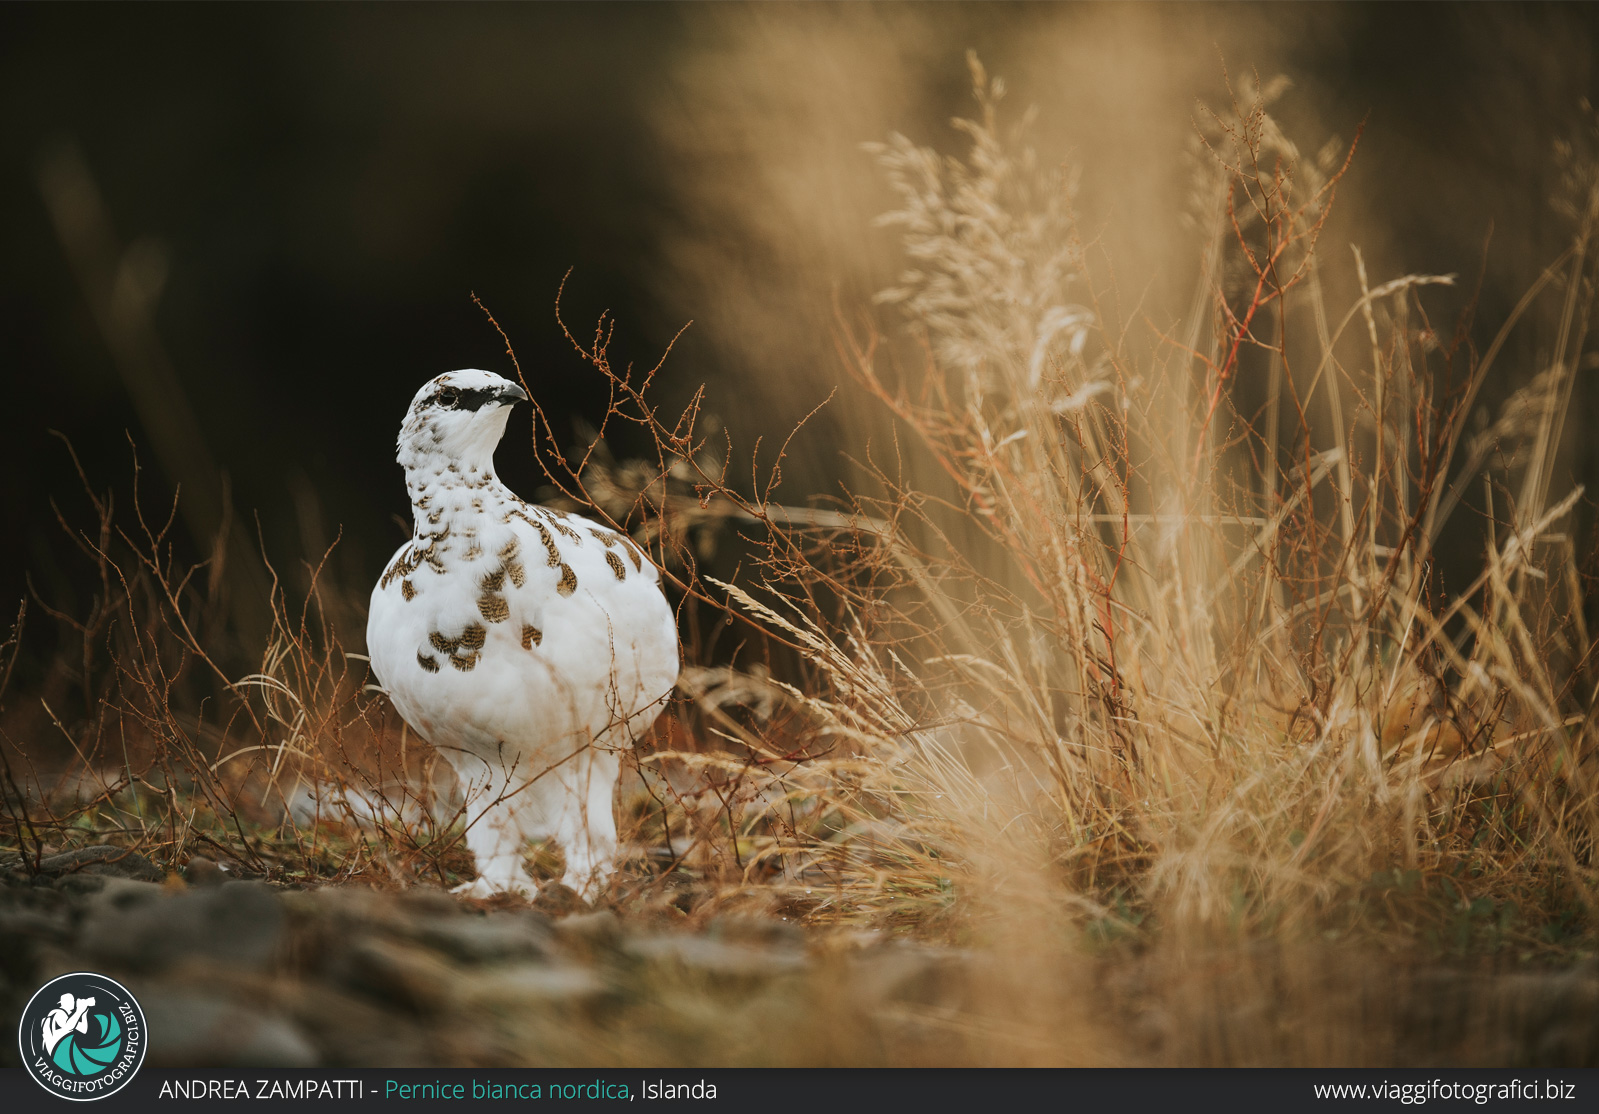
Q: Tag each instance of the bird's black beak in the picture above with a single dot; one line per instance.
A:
(510, 394)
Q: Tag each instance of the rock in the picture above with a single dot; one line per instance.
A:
(26, 932)
(125, 893)
(591, 929)
(404, 975)
(716, 957)
(102, 859)
(519, 987)
(484, 939)
(204, 873)
(1554, 1015)
(747, 929)
(191, 1029)
(558, 900)
(349, 909)
(32, 924)
(424, 899)
(238, 923)
(359, 1032)
(79, 884)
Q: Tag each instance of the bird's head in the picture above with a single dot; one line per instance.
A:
(457, 418)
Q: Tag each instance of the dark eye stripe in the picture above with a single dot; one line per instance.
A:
(453, 398)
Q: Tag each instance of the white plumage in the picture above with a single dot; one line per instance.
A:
(526, 645)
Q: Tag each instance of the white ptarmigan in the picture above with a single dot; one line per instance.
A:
(526, 645)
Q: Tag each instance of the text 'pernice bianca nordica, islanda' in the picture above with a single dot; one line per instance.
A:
(309, 1088)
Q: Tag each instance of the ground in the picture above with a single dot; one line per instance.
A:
(241, 972)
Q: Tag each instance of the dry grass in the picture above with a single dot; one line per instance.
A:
(1090, 657)
(1129, 658)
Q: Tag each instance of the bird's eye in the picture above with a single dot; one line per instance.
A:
(448, 397)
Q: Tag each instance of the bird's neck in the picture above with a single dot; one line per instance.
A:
(445, 491)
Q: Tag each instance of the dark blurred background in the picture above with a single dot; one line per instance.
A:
(245, 234)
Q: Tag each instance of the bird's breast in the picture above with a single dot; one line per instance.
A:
(506, 617)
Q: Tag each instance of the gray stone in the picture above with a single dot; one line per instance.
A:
(555, 899)
(201, 871)
(33, 924)
(484, 939)
(192, 1029)
(518, 987)
(238, 923)
(102, 860)
(26, 933)
(591, 928)
(424, 900)
(717, 957)
(78, 884)
(125, 893)
(401, 974)
(745, 928)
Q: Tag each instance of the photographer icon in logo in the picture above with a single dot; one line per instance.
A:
(82, 1036)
